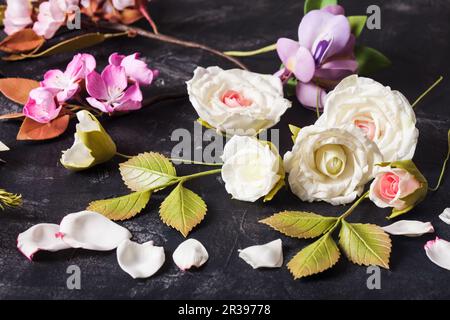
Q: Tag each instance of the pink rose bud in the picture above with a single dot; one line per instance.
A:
(41, 105)
(391, 186)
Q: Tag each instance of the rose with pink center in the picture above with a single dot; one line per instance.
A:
(367, 126)
(391, 186)
(234, 99)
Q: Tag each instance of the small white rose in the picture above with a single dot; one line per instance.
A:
(390, 186)
(331, 164)
(251, 168)
(385, 116)
(237, 101)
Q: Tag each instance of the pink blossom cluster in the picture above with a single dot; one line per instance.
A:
(116, 88)
(52, 14)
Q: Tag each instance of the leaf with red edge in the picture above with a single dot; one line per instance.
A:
(17, 89)
(21, 41)
(33, 130)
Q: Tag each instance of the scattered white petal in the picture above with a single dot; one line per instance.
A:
(438, 251)
(445, 216)
(269, 255)
(3, 147)
(190, 253)
(44, 236)
(409, 228)
(93, 231)
(140, 260)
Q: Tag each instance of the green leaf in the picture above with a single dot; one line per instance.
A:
(295, 131)
(370, 60)
(357, 24)
(417, 196)
(317, 4)
(147, 171)
(2, 13)
(280, 184)
(317, 257)
(291, 87)
(182, 209)
(70, 45)
(205, 124)
(300, 224)
(121, 208)
(365, 244)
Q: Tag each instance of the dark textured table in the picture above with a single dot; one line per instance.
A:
(414, 34)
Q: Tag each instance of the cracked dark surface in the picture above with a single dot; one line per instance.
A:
(414, 35)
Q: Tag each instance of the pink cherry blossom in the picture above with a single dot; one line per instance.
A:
(17, 15)
(136, 69)
(66, 84)
(52, 15)
(109, 92)
(41, 105)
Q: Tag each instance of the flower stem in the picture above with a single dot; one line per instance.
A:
(200, 174)
(265, 49)
(318, 103)
(168, 39)
(196, 162)
(123, 155)
(353, 207)
(146, 14)
(427, 91)
(444, 165)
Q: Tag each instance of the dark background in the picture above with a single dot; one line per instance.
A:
(414, 34)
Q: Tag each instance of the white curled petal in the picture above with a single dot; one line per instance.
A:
(438, 251)
(92, 231)
(409, 228)
(140, 260)
(3, 147)
(190, 253)
(44, 236)
(269, 255)
(445, 216)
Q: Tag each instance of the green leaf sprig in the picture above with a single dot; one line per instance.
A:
(151, 172)
(363, 244)
(9, 200)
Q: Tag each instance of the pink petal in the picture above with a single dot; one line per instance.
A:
(115, 78)
(307, 95)
(17, 15)
(438, 251)
(99, 105)
(41, 106)
(304, 66)
(137, 69)
(334, 9)
(44, 236)
(132, 99)
(286, 48)
(48, 22)
(96, 87)
(116, 59)
(52, 79)
(80, 66)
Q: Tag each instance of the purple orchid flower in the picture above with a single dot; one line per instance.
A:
(110, 92)
(322, 56)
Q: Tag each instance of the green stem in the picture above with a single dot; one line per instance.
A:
(116, 35)
(195, 162)
(427, 91)
(200, 174)
(444, 166)
(318, 103)
(354, 205)
(123, 155)
(265, 49)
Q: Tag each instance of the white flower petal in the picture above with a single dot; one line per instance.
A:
(438, 251)
(269, 255)
(140, 260)
(93, 231)
(44, 236)
(3, 147)
(445, 216)
(190, 253)
(409, 228)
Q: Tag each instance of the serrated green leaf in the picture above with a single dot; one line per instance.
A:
(317, 257)
(121, 208)
(295, 131)
(317, 4)
(357, 24)
(365, 244)
(182, 209)
(370, 60)
(147, 171)
(300, 224)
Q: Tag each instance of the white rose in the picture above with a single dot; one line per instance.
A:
(251, 168)
(385, 116)
(237, 101)
(331, 164)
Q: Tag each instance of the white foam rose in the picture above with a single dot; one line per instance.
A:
(384, 115)
(237, 101)
(251, 168)
(331, 164)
